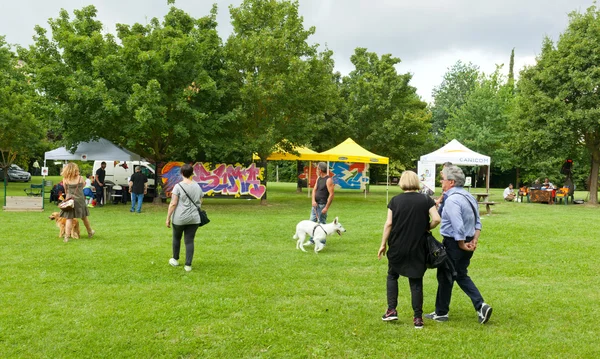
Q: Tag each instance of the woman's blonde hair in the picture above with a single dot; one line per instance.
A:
(70, 171)
(409, 181)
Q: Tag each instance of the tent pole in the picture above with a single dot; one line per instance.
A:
(308, 179)
(387, 184)
(487, 181)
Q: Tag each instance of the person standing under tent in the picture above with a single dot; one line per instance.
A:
(138, 187)
(99, 183)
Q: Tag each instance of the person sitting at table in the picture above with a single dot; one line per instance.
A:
(536, 184)
(509, 193)
(547, 185)
(523, 192)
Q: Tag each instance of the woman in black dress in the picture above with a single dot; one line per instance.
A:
(408, 221)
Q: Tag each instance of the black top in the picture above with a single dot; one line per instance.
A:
(138, 179)
(101, 175)
(322, 193)
(410, 222)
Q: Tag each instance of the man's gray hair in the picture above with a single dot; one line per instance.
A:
(138, 168)
(323, 166)
(456, 174)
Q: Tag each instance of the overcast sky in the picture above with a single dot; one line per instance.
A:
(427, 35)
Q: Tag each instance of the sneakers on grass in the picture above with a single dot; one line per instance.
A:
(174, 262)
(437, 318)
(390, 314)
(188, 268)
(484, 313)
(418, 323)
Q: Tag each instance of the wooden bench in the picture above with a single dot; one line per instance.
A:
(488, 206)
(24, 204)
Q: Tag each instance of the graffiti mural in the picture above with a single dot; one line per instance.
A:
(224, 180)
(344, 175)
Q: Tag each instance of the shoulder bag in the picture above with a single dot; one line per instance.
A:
(203, 216)
(436, 252)
(69, 203)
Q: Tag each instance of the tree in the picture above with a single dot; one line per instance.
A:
(385, 114)
(452, 93)
(558, 100)
(155, 92)
(20, 130)
(481, 122)
(285, 86)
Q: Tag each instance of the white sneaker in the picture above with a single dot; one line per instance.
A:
(188, 268)
(174, 262)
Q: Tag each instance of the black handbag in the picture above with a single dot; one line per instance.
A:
(436, 252)
(203, 216)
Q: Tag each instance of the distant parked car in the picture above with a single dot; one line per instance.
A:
(16, 173)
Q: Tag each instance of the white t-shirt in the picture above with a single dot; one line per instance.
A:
(508, 191)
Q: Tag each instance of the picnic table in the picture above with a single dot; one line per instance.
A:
(481, 197)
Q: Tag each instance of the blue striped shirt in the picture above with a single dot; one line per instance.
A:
(458, 219)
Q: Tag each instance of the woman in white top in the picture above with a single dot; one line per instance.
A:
(183, 214)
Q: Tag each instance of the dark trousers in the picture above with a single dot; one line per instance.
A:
(99, 194)
(416, 292)
(189, 233)
(461, 260)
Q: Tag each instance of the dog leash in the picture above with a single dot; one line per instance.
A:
(315, 208)
(318, 226)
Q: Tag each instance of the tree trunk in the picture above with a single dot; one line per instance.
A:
(518, 183)
(299, 170)
(157, 199)
(263, 164)
(593, 187)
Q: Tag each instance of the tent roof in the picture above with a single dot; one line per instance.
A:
(350, 151)
(306, 154)
(458, 154)
(101, 149)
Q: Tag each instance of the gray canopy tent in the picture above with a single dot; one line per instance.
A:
(101, 149)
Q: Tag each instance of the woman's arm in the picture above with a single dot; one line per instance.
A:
(172, 205)
(387, 228)
(435, 217)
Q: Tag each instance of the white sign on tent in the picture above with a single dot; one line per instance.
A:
(454, 152)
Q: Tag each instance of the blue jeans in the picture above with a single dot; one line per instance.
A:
(139, 198)
(322, 217)
(461, 260)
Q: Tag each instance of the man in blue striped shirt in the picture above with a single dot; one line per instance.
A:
(460, 228)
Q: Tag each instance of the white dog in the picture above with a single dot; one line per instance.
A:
(318, 232)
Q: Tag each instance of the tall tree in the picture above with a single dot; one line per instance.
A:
(559, 97)
(481, 123)
(285, 85)
(154, 92)
(511, 68)
(385, 114)
(452, 93)
(20, 130)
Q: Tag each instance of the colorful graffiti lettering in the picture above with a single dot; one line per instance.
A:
(228, 180)
(344, 175)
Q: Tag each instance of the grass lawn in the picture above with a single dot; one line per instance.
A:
(251, 294)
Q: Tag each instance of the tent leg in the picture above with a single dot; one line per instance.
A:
(308, 179)
(487, 180)
(387, 184)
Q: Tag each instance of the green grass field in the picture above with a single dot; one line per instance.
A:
(251, 294)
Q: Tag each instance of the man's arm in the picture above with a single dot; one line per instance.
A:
(330, 188)
(314, 201)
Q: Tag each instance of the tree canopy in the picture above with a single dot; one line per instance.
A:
(558, 100)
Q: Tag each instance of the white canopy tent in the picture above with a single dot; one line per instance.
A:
(102, 149)
(454, 152)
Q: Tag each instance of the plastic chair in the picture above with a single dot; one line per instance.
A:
(34, 190)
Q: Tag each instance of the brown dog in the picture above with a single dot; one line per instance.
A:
(61, 223)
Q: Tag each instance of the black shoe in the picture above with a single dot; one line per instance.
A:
(437, 318)
(390, 314)
(418, 323)
(484, 313)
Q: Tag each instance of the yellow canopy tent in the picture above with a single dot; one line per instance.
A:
(350, 151)
(305, 154)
